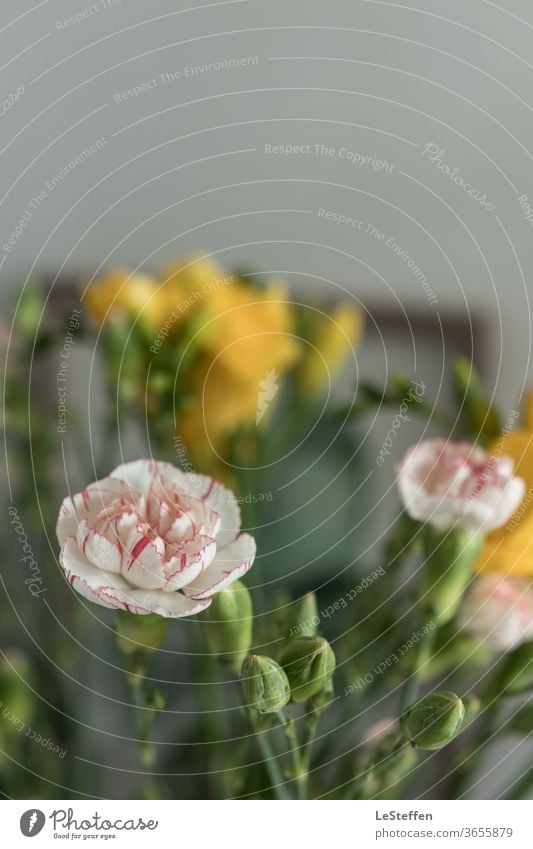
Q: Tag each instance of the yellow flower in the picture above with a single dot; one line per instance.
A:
(222, 404)
(509, 550)
(250, 333)
(137, 295)
(333, 338)
(193, 277)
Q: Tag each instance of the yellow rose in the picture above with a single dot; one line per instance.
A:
(333, 339)
(138, 295)
(250, 333)
(509, 550)
(222, 404)
(193, 278)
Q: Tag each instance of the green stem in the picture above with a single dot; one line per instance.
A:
(383, 765)
(298, 771)
(422, 654)
(144, 718)
(269, 758)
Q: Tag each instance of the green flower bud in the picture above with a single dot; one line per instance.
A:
(302, 617)
(227, 625)
(434, 720)
(141, 634)
(450, 557)
(309, 663)
(265, 684)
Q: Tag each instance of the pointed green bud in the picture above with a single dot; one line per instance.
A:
(450, 558)
(141, 634)
(227, 625)
(309, 663)
(265, 684)
(434, 720)
(302, 617)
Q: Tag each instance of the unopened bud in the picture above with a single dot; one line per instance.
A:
(433, 721)
(309, 663)
(265, 684)
(227, 625)
(302, 617)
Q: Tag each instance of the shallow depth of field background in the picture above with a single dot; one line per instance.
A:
(188, 166)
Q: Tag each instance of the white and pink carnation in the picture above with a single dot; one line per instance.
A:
(458, 485)
(499, 611)
(151, 538)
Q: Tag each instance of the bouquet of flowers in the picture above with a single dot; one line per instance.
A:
(342, 688)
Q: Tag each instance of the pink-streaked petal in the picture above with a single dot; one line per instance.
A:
(88, 505)
(78, 568)
(196, 556)
(217, 497)
(231, 563)
(137, 475)
(208, 492)
(170, 605)
(112, 591)
(98, 549)
(143, 563)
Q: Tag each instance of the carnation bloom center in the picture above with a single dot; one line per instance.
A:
(176, 525)
(464, 476)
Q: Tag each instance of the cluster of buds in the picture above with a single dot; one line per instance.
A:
(304, 668)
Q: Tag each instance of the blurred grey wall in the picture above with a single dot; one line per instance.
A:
(131, 132)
